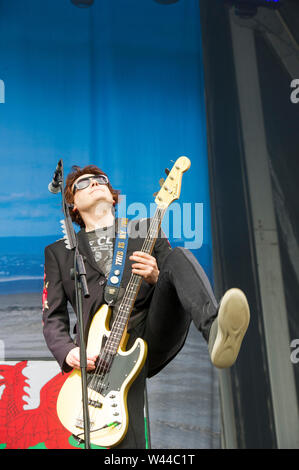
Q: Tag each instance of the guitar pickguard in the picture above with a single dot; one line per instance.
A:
(121, 367)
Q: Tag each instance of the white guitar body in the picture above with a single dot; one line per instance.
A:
(108, 408)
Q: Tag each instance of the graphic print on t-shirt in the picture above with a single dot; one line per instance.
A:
(101, 244)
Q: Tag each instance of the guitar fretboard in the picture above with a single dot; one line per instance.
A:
(133, 286)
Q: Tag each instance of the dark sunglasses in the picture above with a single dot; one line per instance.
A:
(85, 182)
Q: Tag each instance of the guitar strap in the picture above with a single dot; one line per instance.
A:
(118, 263)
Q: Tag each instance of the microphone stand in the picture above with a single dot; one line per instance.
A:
(78, 273)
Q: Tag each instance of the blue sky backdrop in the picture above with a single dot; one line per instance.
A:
(119, 85)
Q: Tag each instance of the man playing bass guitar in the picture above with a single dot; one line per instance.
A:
(174, 291)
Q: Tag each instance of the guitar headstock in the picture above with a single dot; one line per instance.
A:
(171, 187)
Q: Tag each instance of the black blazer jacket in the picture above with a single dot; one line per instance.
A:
(59, 288)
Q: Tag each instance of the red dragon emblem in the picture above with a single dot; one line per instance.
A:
(19, 428)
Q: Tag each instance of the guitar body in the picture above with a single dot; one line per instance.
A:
(107, 390)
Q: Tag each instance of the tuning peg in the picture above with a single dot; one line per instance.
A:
(167, 171)
(155, 194)
(161, 181)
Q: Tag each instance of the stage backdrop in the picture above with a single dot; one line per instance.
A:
(119, 85)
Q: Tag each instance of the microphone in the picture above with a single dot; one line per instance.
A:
(54, 186)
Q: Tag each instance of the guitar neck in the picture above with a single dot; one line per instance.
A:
(133, 286)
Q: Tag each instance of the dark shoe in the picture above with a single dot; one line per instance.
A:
(228, 328)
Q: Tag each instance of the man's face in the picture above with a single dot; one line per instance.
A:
(91, 195)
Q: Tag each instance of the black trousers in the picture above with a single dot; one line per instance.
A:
(182, 294)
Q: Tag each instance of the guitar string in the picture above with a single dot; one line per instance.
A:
(134, 281)
(120, 320)
(109, 350)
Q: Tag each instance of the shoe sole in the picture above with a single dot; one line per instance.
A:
(233, 320)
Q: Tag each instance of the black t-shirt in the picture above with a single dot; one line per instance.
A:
(101, 244)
